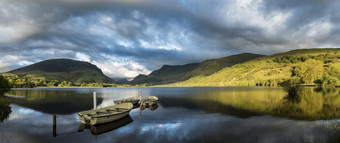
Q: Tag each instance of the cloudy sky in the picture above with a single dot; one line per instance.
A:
(129, 37)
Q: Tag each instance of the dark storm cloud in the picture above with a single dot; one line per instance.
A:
(305, 11)
(127, 37)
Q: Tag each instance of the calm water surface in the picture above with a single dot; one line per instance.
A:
(183, 114)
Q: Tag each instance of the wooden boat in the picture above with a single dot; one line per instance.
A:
(105, 115)
(136, 106)
(133, 100)
(150, 100)
(107, 127)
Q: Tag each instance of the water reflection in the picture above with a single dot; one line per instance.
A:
(151, 107)
(103, 128)
(335, 137)
(231, 114)
(310, 104)
(5, 110)
(56, 101)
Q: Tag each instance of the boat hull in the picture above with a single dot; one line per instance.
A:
(150, 100)
(133, 100)
(105, 115)
(106, 119)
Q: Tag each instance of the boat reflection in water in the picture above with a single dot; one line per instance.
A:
(151, 107)
(143, 106)
(107, 127)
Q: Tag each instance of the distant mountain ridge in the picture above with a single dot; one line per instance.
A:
(65, 70)
(175, 73)
(306, 66)
(166, 74)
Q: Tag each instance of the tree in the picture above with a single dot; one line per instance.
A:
(309, 71)
(4, 85)
(331, 77)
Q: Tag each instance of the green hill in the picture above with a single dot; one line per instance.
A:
(308, 66)
(175, 73)
(211, 66)
(63, 70)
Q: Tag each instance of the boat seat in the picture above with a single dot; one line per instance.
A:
(110, 110)
(124, 109)
(117, 110)
(91, 115)
(100, 112)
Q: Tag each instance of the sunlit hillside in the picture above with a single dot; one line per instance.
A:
(176, 73)
(309, 66)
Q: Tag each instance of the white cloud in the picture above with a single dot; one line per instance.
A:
(121, 67)
(83, 57)
(7, 62)
(25, 63)
(153, 45)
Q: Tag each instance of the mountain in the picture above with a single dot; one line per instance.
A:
(209, 67)
(175, 73)
(166, 74)
(64, 70)
(307, 66)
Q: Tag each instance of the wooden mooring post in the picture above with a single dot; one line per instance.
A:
(54, 125)
(140, 91)
(94, 100)
(140, 94)
(140, 110)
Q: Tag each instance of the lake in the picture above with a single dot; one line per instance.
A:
(182, 114)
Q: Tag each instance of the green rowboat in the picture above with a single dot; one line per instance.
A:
(133, 100)
(150, 100)
(105, 115)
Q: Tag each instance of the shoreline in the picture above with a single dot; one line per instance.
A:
(171, 86)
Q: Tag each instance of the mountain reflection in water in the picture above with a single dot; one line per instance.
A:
(56, 101)
(184, 114)
(313, 104)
